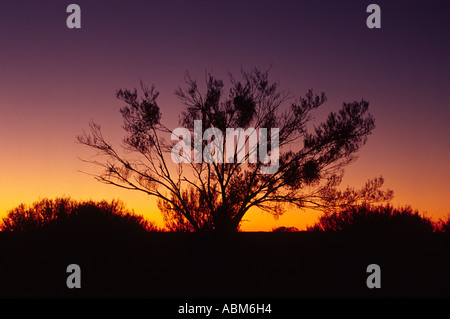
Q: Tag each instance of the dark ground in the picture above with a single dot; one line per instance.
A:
(260, 265)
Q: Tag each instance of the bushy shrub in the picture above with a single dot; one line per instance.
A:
(367, 218)
(66, 214)
(284, 229)
(443, 225)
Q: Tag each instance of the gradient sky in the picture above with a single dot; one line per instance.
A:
(54, 80)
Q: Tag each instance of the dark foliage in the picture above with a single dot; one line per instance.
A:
(284, 229)
(375, 219)
(64, 214)
(216, 195)
(443, 225)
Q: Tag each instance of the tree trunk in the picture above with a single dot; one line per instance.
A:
(223, 221)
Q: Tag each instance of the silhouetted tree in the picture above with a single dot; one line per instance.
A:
(375, 219)
(64, 214)
(216, 195)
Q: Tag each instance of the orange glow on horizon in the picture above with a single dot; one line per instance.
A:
(255, 220)
(60, 175)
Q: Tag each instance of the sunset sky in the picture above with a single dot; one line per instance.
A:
(55, 80)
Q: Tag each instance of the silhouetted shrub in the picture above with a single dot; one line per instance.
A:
(444, 225)
(64, 214)
(366, 218)
(284, 229)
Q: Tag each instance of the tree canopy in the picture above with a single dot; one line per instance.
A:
(215, 195)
